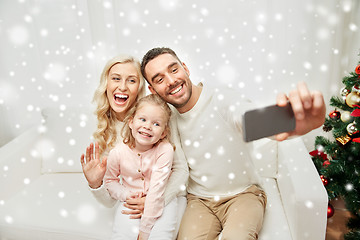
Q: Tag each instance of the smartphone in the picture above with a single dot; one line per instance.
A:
(267, 121)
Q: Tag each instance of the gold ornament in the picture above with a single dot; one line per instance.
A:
(346, 116)
(352, 99)
(343, 140)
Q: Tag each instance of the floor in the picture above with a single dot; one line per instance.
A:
(336, 226)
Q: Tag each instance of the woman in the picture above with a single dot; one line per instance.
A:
(121, 85)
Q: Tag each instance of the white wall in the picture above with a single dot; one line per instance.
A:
(52, 52)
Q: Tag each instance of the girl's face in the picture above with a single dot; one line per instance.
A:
(122, 88)
(148, 126)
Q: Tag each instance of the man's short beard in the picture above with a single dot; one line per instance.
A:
(177, 106)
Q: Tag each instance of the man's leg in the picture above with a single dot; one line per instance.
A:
(198, 222)
(242, 216)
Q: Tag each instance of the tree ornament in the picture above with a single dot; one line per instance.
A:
(346, 116)
(344, 92)
(326, 163)
(352, 99)
(334, 115)
(356, 112)
(319, 154)
(351, 128)
(343, 140)
(330, 211)
(327, 126)
(356, 89)
(357, 70)
(324, 180)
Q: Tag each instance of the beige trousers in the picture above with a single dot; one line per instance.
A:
(238, 217)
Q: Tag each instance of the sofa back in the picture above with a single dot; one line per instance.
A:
(65, 136)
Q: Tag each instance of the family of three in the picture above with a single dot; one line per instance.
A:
(174, 162)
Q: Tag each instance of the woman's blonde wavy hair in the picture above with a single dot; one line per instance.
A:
(106, 134)
(150, 99)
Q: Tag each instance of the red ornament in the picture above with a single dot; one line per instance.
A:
(356, 112)
(324, 180)
(318, 153)
(357, 70)
(326, 163)
(334, 115)
(330, 211)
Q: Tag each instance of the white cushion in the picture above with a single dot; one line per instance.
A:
(66, 135)
(59, 206)
(275, 224)
(55, 206)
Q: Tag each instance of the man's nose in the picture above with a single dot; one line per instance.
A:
(171, 80)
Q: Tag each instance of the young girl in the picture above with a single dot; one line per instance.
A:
(143, 163)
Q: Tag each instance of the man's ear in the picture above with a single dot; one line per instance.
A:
(151, 89)
(186, 68)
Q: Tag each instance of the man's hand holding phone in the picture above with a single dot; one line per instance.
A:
(309, 109)
(308, 112)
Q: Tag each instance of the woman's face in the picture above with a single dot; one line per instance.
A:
(122, 88)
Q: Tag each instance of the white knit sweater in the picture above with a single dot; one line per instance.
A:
(218, 158)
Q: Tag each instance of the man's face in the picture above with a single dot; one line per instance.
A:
(169, 79)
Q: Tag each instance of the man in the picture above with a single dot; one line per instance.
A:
(224, 193)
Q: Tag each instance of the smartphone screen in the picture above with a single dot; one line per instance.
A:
(267, 121)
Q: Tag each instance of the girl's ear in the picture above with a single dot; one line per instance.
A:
(163, 135)
(131, 123)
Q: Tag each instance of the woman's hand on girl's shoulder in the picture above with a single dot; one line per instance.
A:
(93, 169)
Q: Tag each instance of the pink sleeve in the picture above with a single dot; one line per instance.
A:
(154, 202)
(111, 178)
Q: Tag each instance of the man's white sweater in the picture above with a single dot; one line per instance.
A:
(211, 137)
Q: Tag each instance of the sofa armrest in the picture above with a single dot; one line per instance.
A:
(20, 163)
(302, 192)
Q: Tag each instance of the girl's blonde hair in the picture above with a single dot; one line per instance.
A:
(151, 99)
(106, 134)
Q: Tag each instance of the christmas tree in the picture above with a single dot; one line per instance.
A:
(337, 158)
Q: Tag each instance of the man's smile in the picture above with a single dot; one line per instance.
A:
(176, 90)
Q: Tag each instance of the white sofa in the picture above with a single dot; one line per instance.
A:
(44, 194)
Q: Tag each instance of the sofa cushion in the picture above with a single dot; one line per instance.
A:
(66, 134)
(55, 206)
(265, 157)
(59, 206)
(275, 224)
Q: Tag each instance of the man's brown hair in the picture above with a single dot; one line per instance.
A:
(153, 53)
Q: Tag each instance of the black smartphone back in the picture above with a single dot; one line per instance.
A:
(267, 121)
